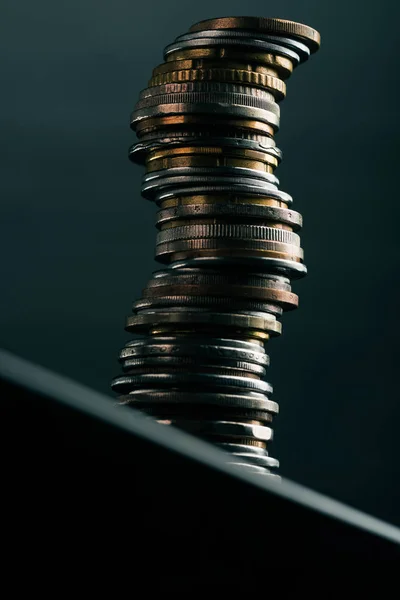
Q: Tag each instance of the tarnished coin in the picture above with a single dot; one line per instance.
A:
(186, 362)
(154, 318)
(242, 399)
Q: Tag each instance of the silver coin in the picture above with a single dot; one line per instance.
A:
(226, 428)
(185, 361)
(242, 400)
(208, 97)
(262, 461)
(228, 231)
(226, 134)
(209, 172)
(198, 339)
(254, 44)
(139, 151)
(219, 303)
(200, 351)
(298, 47)
(191, 378)
(292, 269)
(236, 187)
(212, 348)
(206, 86)
(255, 469)
(210, 277)
(227, 209)
(171, 272)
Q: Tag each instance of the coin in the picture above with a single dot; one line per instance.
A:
(241, 399)
(156, 317)
(227, 429)
(126, 382)
(233, 210)
(305, 33)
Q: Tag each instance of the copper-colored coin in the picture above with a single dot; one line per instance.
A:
(224, 247)
(278, 65)
(309, 36)
(205, 64)
(146, 321)
(210, 161)
(226, 199)
(202, 121)
(210, 150)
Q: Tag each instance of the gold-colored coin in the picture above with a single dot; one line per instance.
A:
(212, 150)
(251, 78)
(306, 34)
(246, 334)
(156, 123)
(279, 64)
(201, 63)
(174, 162)
(215, 220)
(265, 201)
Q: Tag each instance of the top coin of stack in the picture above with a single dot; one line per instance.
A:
(227, 235)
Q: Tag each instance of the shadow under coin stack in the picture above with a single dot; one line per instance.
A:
(228, 237)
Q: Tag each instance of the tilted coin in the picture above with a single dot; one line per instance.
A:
(233, 105)
(293, 269)
(214, 276)
(307, 34)
(226, 428)
(287, 300)
(197, 362)
(242, 399)
(239, 321)
(299, 47)
(248, 43)
(262, 461)
(239, 188)
(126, 382)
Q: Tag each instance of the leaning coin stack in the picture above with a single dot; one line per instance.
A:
(227, 236)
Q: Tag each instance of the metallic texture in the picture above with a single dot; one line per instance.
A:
(228, 237)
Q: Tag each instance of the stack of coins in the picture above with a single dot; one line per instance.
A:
(227, 236)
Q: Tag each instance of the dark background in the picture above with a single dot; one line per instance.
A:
(78, 240)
